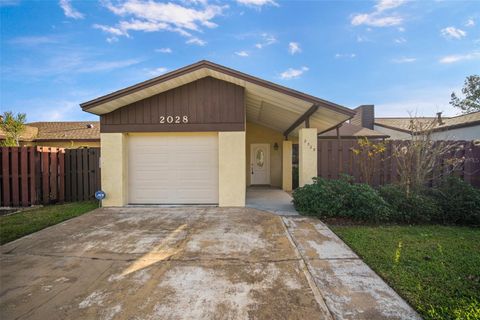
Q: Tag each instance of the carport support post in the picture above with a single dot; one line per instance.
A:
(287, 166)
(307, 151)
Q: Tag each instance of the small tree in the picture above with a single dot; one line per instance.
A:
(13, 126)
(471, 92)
(366, 152)
(420, 156)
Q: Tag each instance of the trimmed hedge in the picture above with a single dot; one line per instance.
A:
(341, 198)
(459, 202)
(452, 202)
(416, 208)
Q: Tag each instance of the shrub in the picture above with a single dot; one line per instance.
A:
(340, 198)
(459, 201)
(417, 207)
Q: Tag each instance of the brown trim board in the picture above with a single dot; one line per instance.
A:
(193, 127)
(210, 65)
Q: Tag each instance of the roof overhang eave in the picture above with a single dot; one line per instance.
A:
(97, 106)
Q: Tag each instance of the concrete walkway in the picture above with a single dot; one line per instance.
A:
(350, 289)
(270, 199)
(190, 263)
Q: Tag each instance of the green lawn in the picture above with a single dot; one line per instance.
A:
(435, 268)
(20, 224)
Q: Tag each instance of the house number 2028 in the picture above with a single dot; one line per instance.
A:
(173, 119)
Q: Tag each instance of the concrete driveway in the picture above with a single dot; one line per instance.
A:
(190, 263)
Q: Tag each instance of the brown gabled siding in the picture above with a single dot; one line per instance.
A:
(210, 105)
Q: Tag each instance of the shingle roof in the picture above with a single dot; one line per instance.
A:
(67, 130)
(404, 124)
(28, 135)
(348, 130)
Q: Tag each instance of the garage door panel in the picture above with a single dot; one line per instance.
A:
(173, 169)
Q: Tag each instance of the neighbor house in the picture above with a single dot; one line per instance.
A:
(203, 133)
(62, 134)
(463, 127)
(359, 126)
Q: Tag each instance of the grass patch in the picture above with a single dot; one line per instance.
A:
(20, 224)
(435, 268)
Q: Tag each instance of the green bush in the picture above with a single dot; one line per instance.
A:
(452, 202)
(458, 200)
(417, 207)
(341, 198)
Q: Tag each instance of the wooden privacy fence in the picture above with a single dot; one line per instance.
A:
(336, 157)
(44, 175)
(82, 173)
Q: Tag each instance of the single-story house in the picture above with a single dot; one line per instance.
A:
(62, 134)
(203, 133)
(359, 126)
(463, 127)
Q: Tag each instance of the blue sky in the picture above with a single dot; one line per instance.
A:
(399, 55)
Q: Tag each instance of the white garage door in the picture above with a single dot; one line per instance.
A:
(173, 169)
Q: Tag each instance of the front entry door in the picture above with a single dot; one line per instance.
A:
(260, 163)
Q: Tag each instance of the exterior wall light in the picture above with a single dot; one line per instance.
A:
(275, 146)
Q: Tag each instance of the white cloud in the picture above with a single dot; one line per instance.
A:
(106, 65)
(470, 23)
(363, 39)
(58, 62)
(242, 53)
(345, 55)
(404, 60)
(453, 33)
(111, 30)
(374, 21)
(379, 17)
(294, 47)
(401, 29)
(267, 39)
(34, 40)
(460, 57)
(383, 5)
(291, 73)
(151, 16)
(5, 3)
(70, 11)
(197, 41)
(400, 40)
(257, 3)
(157, 71)
(164, 50)
(112, 39)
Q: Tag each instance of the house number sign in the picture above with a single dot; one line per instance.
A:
(173, 119)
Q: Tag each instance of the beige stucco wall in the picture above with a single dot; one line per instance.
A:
(231, 164)
(307, 151)
(259, 134)
(287, 166)
(114, 169)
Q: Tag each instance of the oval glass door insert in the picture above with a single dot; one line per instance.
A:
(260, 157)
